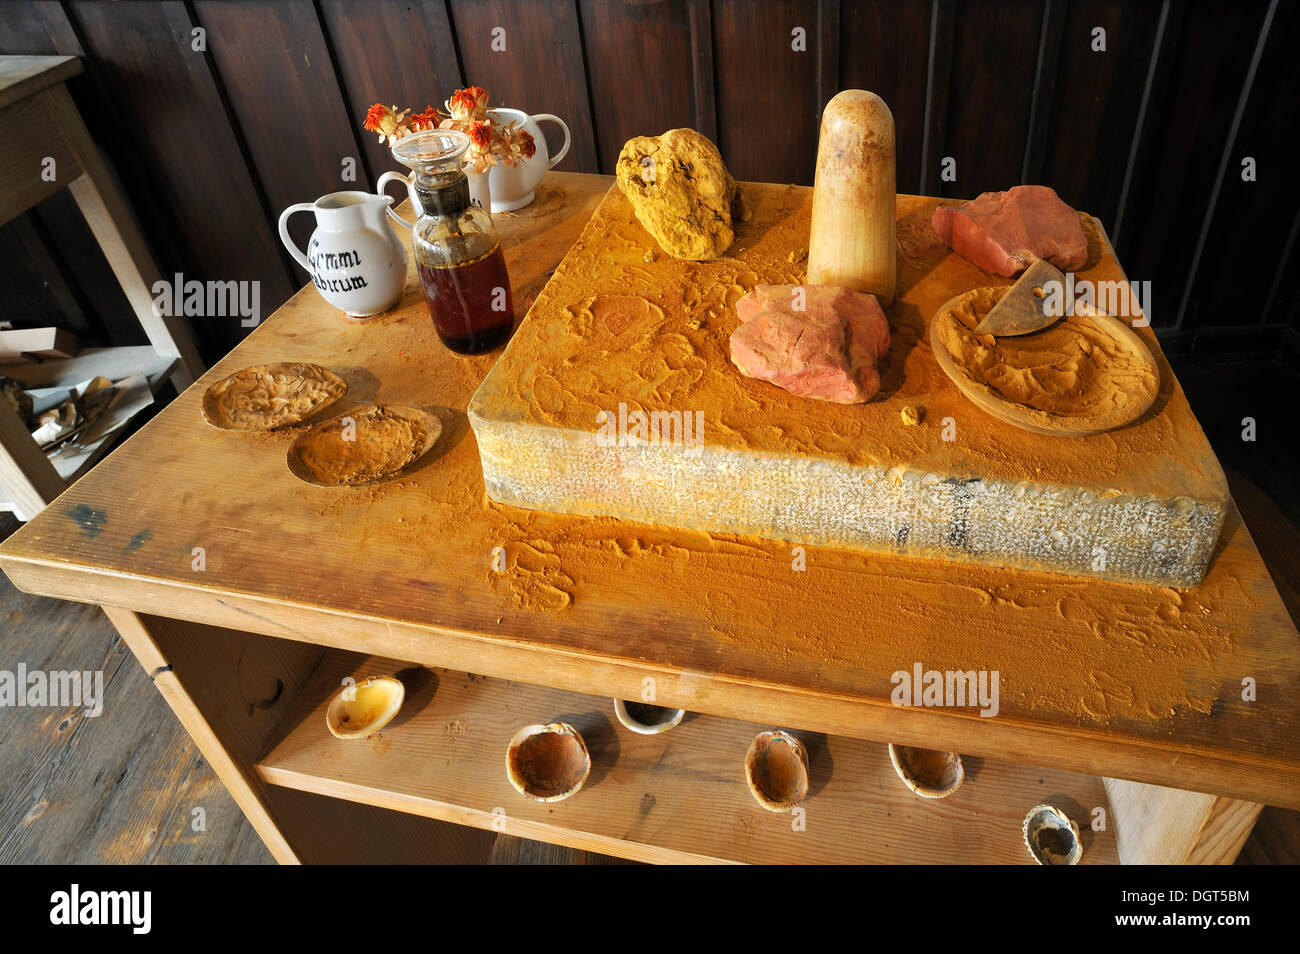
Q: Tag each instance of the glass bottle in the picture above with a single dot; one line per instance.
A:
(457, 253)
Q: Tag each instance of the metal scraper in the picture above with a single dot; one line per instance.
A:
(1021, 310)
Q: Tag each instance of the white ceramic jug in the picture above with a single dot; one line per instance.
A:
(512, 186)
(355, 260)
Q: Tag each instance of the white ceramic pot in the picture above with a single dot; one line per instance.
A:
(480, 189)
(513, 186)
(355, 260)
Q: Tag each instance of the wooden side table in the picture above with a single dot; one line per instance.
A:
(40, 122)
(250, 597)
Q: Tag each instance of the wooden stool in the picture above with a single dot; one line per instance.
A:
(33, 98)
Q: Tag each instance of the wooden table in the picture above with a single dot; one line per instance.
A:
(249, 596)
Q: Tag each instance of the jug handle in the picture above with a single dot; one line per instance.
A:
(386, 178)
(568, 136)
(294, 250)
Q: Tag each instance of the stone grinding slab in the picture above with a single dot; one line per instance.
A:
(622, 327)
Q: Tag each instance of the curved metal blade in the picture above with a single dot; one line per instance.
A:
(1022, 309)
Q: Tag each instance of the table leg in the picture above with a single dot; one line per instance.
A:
(235, 773)
(27, 478)
(232, 691)
(114, 227)
(1157, 825)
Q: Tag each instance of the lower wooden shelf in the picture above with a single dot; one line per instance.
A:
(676, 797)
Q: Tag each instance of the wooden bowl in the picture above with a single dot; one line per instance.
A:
(1033, 419)
(1051, 836)
(367, 444)
(634, 716)
(548, 763)
(277, 381)
(776, 770)
(927, 772)
(360, 710)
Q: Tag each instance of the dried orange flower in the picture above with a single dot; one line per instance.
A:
(374, 116)
(480, 155)
(387, 121)
(425, 120)
(480, 134)
(468, 104)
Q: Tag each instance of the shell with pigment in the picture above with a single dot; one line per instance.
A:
(927, 772)
(646, 719)
(776, 770)
(1051, 836)
(359, 710)
(549, 762)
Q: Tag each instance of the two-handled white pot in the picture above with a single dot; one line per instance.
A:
(512, 187)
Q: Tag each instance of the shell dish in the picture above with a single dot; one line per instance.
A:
(361, 710)
(549, 762)
(1051, 836)
(776, 769)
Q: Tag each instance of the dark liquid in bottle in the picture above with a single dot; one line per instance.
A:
(471, 305)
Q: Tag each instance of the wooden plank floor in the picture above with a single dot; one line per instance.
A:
(120, 788)
(123, 787)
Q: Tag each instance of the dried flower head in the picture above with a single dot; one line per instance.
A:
(468, 104)
(479, 155)
(387, 121)
(480, 135)
(374, 116)
(425, 120)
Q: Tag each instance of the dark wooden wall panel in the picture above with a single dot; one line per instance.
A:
(396, 51)
(659, 92)
(768, 113)
(700, 14)
(35, 291)
(1052, 37)
(1198, 78)
(72, 247)
(995, 56)
(1235, 277)
(1094, 111)
(884, 46)
(276, 71)
(1285, 307)
(541, 69)
(188, 176)
(210, 146)
(938, 86)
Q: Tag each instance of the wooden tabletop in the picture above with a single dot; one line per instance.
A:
(193, 523)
